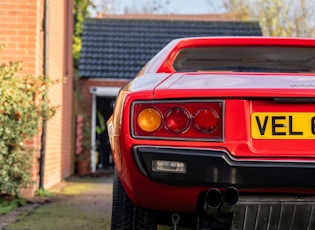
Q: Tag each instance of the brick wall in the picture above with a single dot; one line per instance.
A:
(59, 144)
(85, 86)
(22, 31)
(22, 34)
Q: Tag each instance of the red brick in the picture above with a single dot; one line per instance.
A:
(21, 31)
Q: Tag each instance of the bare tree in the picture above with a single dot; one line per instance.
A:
(239, 8)
(109, 6)
(274, 18)
(285, 18)
(304, 20)
(151, 7)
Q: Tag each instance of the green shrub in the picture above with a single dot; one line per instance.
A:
(23, 105)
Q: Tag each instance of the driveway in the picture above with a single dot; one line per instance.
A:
(77, 203)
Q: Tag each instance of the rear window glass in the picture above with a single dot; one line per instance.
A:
(246, 59)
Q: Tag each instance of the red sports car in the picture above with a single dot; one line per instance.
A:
(218, 132)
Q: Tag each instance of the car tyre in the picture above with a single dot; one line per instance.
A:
(125, 214)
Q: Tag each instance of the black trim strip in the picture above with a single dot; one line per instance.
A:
(294, 99)
(215, 167)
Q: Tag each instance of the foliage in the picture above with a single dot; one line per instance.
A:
(23, 103)
(274, 18)
(85, 142)
(87, 136)
(283, 18)
(239, 8)
(9, 203)
(43, 193)
(80, 13)
(101, 127)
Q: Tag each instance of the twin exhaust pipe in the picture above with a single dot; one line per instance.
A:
(217, 202)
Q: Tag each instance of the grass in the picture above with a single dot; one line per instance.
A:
(43, 193)
(81, 204)
(10, 203)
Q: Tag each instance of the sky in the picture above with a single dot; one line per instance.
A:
(174, 6)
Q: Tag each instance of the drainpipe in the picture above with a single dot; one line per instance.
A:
(44, 123)
(93, 135)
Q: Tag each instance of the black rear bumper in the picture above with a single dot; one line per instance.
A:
(219, 169)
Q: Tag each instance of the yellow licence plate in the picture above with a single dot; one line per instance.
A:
(295, 125)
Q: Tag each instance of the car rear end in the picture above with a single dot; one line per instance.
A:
(227, 132)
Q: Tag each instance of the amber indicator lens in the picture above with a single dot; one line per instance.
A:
(177, 120)
(149, 119)
(206, 120)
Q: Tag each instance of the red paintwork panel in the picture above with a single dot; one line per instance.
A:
(242, 93)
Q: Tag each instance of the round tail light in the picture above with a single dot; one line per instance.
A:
(206, 120)
(149, 119)
(177, 120)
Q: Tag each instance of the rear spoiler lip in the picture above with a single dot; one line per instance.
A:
(165, 58)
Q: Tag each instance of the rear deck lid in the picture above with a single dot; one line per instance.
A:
(222, 85)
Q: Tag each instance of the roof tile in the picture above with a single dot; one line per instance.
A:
(120, 47)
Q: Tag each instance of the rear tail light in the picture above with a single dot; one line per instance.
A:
(206, 120)
(177, 120)
(193, 120)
